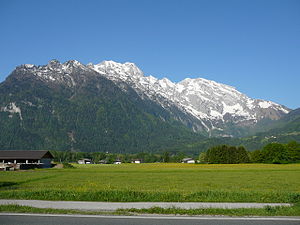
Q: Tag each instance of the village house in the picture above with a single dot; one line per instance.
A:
(25, 159)
(118, 161)
(136, 161)
(188, 160)
(85, 161)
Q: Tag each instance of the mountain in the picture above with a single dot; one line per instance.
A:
(114, 107)
(285, 129)
(71, 107)
(207, 106)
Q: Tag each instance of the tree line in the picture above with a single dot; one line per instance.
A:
(97, 157)
(270, 153)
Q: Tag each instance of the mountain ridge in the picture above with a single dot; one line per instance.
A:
(114, 107)
(212, 104)
(203, 105)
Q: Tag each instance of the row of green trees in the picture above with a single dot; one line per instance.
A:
(270, 153)
(277, 153)
(225, 154)
(96, 157)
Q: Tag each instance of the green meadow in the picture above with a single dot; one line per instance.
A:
(157, 182)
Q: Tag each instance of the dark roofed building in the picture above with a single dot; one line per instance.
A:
(26, 159)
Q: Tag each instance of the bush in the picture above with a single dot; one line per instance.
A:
(68, 166)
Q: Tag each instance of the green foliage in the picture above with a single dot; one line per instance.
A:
(227, 154)
(29, 209)
(279, 153)
(293, 149)
(256, 156)
(68, 166)
(166, 157)
(276, 153)
(73, 157)
(203, 157)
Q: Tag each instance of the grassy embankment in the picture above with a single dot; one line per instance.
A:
(157, 182)
(267, 211)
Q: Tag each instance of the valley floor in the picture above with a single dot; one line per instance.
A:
(157, 182)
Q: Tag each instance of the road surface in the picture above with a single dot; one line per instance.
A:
(39, 219)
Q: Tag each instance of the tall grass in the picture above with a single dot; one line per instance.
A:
(136, 196)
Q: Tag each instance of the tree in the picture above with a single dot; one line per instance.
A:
(166, 157)
(203, 157)
(227, 154)
(242, 155)
(293, 149)
(275, 153)
(256, 156)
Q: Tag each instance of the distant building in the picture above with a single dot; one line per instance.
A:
(85, 161)
(25, 159)
(188, 160)
(118, 161)
(136, 161)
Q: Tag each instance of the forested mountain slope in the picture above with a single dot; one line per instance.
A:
(70, 107)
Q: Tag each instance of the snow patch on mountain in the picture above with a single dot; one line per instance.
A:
(12, 108)
(265, 104)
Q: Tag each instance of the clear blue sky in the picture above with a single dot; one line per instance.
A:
(251, 45)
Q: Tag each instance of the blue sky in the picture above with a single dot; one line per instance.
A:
(251, 45)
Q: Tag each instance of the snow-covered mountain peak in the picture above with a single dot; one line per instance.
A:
(54, 65)
(54, 62)
(73, 63)
(57, 72)
(165, 82)
(113, 68)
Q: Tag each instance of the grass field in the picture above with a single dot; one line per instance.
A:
(157, 182)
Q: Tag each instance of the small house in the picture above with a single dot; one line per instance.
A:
(25, 159)
(118, 161)
(136, 161)
(85, 161)
(188, 160)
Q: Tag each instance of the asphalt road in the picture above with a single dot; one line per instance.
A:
(25, 219)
